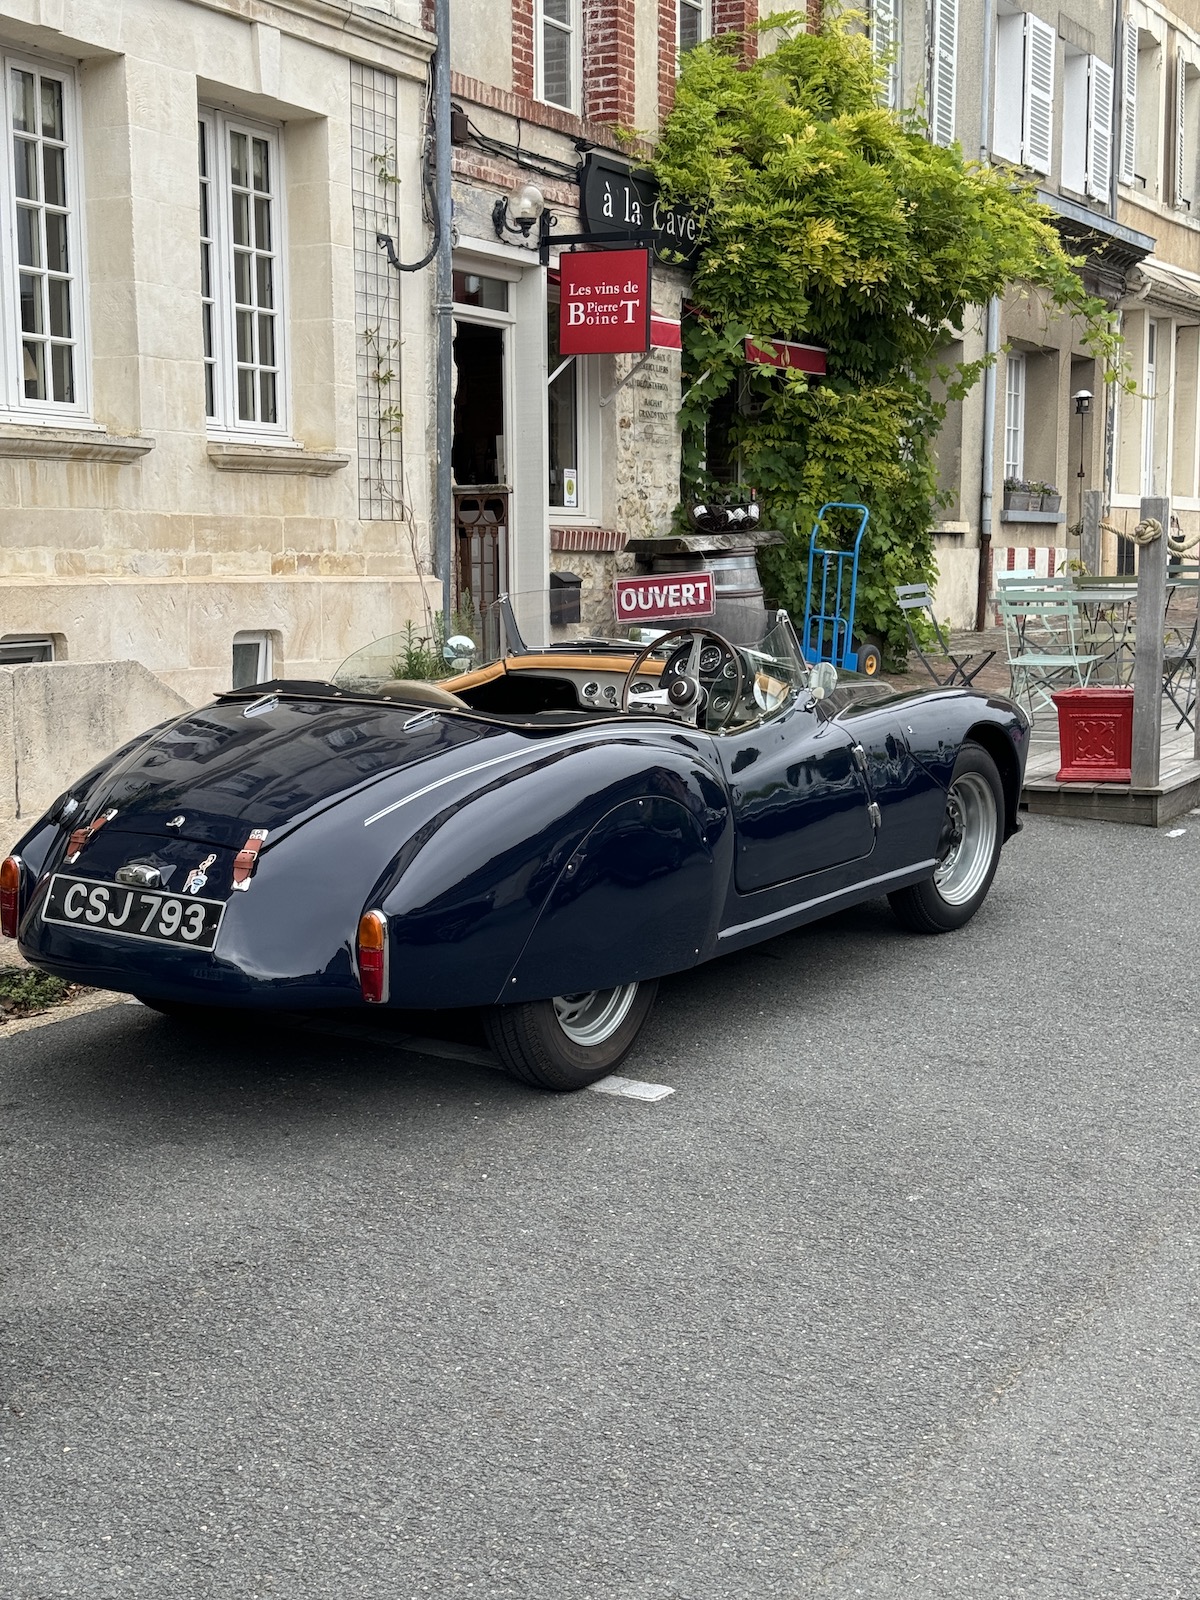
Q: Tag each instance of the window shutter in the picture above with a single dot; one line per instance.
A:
(1038, 126)
(1099, 130)
(944, 76)
(884, 38)
(1129, 66)
(1182, 189)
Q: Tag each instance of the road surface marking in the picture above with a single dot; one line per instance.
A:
(631, 1088)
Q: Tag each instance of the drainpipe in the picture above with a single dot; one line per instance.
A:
(443, 498)
(991, 345)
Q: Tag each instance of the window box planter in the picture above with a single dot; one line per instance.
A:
(1095, 735)
(1018, 500)
(1051, 502)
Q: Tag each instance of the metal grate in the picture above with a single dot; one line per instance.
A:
(374, 160)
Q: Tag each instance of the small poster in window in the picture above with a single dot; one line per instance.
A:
(570, 479)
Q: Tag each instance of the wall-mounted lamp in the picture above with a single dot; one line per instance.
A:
(517, 213)
(1083, 402)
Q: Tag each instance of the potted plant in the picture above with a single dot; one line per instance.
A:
(1016, 494)
(1051, 499)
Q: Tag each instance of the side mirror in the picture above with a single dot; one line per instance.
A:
(458, 652)
(822, 680)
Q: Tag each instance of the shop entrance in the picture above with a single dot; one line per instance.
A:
(479, 453)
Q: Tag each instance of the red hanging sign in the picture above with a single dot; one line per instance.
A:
(605, 305)
(787, 353)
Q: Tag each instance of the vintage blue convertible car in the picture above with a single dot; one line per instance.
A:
(544, 837)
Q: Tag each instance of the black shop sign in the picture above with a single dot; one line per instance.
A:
(612, 198)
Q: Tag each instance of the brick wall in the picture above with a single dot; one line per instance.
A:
(737, 16)
(609, 43)
(522, 46)
(668, 41)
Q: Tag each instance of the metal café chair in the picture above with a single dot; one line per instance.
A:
(954, 669)
(1179, 650)
(1040, 630)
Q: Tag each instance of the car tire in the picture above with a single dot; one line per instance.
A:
(571, 1041)
(968, 849)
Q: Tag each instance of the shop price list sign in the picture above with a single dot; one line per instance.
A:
(605, 302)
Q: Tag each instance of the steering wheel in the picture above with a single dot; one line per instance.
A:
(685, 693)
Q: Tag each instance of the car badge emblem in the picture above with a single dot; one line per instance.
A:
(244, 861)
(139, 875)
(80, 836)
(177, 822)
(198, 876)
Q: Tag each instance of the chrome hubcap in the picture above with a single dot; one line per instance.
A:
(592, 1018)
(968, 839)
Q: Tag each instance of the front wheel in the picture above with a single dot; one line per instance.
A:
(570, 1041)
(968, 849)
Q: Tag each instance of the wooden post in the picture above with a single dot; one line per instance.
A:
(1148, 663)
(1089, 535)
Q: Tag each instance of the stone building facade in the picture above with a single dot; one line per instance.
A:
(213, 426)
(1041, 89)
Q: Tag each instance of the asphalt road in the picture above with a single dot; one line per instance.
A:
(894, 1296)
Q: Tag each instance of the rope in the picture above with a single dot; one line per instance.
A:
(1147, 531)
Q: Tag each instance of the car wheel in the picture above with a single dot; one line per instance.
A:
(968, 849)
(570, 1041)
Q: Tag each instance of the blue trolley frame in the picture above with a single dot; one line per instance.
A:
(829, 630)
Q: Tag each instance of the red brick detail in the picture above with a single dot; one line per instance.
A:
(427, 15)
(609, 83)
(504, 176)
(522, 48)
(816, 15)
(604, 541)
(668, 52)
(740, 17)
(542, 116)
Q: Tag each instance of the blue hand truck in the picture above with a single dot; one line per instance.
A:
(830, 600)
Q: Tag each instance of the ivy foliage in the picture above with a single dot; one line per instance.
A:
(832, 220)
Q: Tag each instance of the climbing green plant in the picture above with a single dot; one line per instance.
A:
(832, 220)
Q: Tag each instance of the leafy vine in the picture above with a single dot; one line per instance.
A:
(832, 220)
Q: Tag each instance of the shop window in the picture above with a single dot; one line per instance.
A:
(41, 246)
(252, 659)
(241, 275)
(557, 54)
(563, 418)
(1087, 110)
(1023, 125)
(694, 22)
(17, 649)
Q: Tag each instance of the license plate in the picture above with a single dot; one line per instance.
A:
(135, 913)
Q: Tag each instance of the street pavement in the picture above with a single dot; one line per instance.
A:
(894, 1296)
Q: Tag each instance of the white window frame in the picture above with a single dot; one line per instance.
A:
(225, 422)
(1150, 404)
(1014, 414)
(14, 404)
(574, 29)
(1087, 104)
(17, 649)
(943, 72)
(701, 8)
(1023, 123)
(884, 27)
(261, 639)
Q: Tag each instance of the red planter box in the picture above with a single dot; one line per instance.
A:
(1095, 735)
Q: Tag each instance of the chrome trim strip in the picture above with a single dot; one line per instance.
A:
(467, 772)
(836, 894)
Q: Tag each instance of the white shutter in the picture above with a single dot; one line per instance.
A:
(1037, 131)
(1181, 188)
(1129, 67)
(884, 38)
(1010, 92)
(1099, 128)
(944, 78)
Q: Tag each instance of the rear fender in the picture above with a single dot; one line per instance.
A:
(638, 898)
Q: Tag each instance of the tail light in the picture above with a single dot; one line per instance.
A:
(372, 953)
(10, 895)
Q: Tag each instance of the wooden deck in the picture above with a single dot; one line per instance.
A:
(1177, 790)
